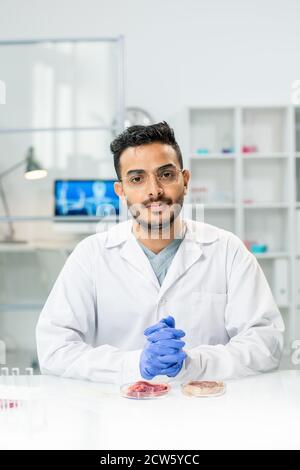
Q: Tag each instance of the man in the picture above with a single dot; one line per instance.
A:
(126, 298)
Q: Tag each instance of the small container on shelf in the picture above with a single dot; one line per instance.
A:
(226, 146)
(258, 248)
(202, 151)
(227, 150)
(249, 149)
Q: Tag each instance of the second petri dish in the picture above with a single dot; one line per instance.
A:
(203, 388)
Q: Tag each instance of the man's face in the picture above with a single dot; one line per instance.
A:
(154, 204)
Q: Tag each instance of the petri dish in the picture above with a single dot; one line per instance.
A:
(203, 388)
(143, 390)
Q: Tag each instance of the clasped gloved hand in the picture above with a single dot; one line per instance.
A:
(163, 354)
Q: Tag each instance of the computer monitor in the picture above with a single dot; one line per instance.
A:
(95, 198)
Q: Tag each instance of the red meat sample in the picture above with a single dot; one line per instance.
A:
(143, 389)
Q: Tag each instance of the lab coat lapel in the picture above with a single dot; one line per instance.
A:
(187, 254)
(121, 235)
(134, 255)
(189, 251)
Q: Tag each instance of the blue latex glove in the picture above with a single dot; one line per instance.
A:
(163, 353)
(163, 323)
(154, 360)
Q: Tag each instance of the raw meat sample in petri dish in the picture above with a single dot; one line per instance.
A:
(143, 390)
(203, 388)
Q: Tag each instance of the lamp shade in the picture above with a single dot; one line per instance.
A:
(33, 169)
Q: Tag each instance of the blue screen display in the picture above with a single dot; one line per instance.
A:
(85, 197)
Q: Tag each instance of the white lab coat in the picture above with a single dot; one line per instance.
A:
(92, 324)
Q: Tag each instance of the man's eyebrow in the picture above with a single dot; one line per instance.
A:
(168, 165)
(139, 171)
(134, 171)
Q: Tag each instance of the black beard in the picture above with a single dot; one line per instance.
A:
(159, 226)
(150, 226)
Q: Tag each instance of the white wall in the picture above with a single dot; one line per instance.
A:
(180, 52)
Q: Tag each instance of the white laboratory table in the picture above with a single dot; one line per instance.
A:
(258, 412)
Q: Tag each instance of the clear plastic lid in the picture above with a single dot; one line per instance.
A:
(143, 390)
(203, 388)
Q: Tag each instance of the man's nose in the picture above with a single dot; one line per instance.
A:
(154, 188)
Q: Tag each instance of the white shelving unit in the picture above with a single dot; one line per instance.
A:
(245, 170)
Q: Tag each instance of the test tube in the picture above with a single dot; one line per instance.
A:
(4, 371)
(29, 375)
(15, 372)
(4, 374)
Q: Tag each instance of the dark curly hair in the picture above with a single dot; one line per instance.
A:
(139, 135)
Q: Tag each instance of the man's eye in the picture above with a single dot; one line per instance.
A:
(167, 175)
(136, 179)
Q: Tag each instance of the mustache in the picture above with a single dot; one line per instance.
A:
(161, 200)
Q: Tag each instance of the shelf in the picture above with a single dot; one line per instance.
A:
(271, 255)
(218, 206)
(267, 205)
(214, 156)
(262, 156)
(269, 180)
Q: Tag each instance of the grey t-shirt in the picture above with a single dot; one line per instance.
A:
(161, 261)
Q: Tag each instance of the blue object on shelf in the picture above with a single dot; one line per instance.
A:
(256, 248)
(227, 150)
(202, 151)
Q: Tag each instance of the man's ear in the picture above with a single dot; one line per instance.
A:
(118, 187)
(186, 177)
